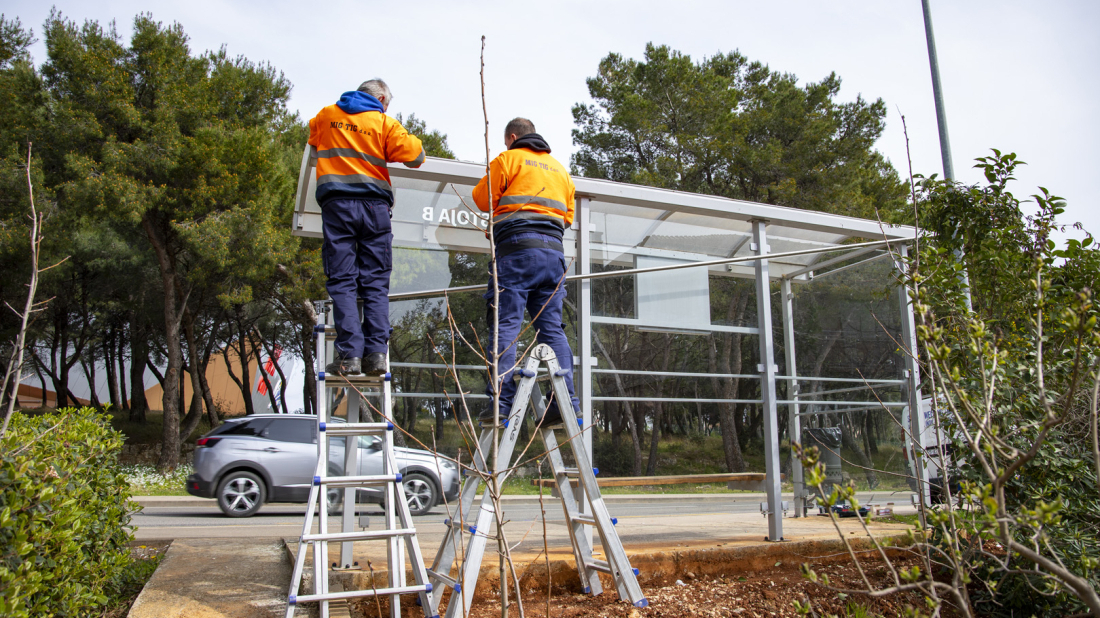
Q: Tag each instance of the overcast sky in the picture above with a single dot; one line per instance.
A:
(1018, 76)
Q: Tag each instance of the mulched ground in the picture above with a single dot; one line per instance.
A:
(766, 593)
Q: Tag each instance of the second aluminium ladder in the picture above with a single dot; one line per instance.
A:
(617, 565)
(399, 524)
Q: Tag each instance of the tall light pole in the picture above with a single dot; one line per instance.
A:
(937, 93)
(945, 142)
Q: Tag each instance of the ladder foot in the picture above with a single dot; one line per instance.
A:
(643, 603)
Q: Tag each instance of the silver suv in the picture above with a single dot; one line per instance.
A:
(248, 461)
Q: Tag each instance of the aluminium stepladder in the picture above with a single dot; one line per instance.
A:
(398, 520)
(617, 564)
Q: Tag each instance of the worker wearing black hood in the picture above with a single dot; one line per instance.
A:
(532, 204)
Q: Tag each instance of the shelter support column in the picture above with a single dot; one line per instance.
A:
(794, 425)
(767, 370)
(584, 339)
(915, 431)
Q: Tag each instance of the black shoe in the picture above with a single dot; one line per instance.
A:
(344, 366)
(551, 417)
(375, 364)
(486, 416)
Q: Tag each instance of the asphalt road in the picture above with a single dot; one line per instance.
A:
(172, 522)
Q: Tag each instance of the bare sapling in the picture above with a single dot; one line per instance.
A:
(13, 375)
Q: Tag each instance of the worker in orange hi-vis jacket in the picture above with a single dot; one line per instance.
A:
(532, 204)
(355, 139)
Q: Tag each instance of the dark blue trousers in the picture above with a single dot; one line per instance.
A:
(531, 279)
(358, 257)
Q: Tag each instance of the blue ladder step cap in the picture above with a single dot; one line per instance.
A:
(580, 422)
(642, 603)
(427, 587)
(292, 599)
(398, 475)
(389, 426)
(587, 590)
(473, 529)
(458, 588)
(614, 521)
(387, 377)
(447, 522)
(319, 328)
(320, 376)
(316, 480)
(322, 426)
(636, 571)
(596, 471)
(527, 373)
(561, 373)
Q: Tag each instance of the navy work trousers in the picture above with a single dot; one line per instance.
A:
(358, 257)
(531, 279)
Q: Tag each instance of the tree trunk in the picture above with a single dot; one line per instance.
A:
(233, 376)
(195, 370)
(728, 361)
(121, 345)
(109, 365)
(848, 441)
(170, 437)
(89, 374)
(869, 427)
(253, 336)
(628, 412)
(139, 360)
(658, 410)
(243, 354)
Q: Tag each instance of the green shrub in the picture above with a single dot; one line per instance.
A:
(64, 506)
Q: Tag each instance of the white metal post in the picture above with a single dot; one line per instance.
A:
(351, 467)
(794, 424)
(912, 385)
(767, 382)
(584, 340)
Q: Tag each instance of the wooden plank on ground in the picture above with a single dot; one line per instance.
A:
(678, 479)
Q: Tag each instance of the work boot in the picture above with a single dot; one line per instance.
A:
(486, 416)
(375, 364)
(551, 417)
(341, 366)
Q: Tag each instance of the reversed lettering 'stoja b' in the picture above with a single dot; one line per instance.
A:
(355, 139)
(532, 204)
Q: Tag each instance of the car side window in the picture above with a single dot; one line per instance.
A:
(290, 430)
(248, 427)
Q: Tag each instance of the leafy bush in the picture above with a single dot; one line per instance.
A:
(64, 506)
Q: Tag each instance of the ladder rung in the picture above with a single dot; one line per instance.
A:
(600, 565)
(574, 473)
(361, 380)
(364, 535)
(453, 523)
(591, 521)
(354, 594)
(447, 581)
(356, 429)
(356, 481)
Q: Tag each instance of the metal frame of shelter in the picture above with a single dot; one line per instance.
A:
(806, 241)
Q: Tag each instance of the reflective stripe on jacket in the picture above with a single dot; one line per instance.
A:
(352, 152)
(527, 185)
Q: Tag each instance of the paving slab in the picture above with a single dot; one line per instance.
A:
(199, 578)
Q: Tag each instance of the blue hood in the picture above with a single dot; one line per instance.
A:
(356, 102)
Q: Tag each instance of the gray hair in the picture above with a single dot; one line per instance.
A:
(519, 127)
(377, 89)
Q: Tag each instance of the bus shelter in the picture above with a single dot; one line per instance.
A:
(742, 288)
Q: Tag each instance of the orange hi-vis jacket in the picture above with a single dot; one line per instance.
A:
(353, 149)
(528, 186)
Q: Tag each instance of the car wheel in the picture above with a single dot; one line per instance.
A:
(420, 493)
(241, 494)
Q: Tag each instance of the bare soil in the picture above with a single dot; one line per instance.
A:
(764, 593)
